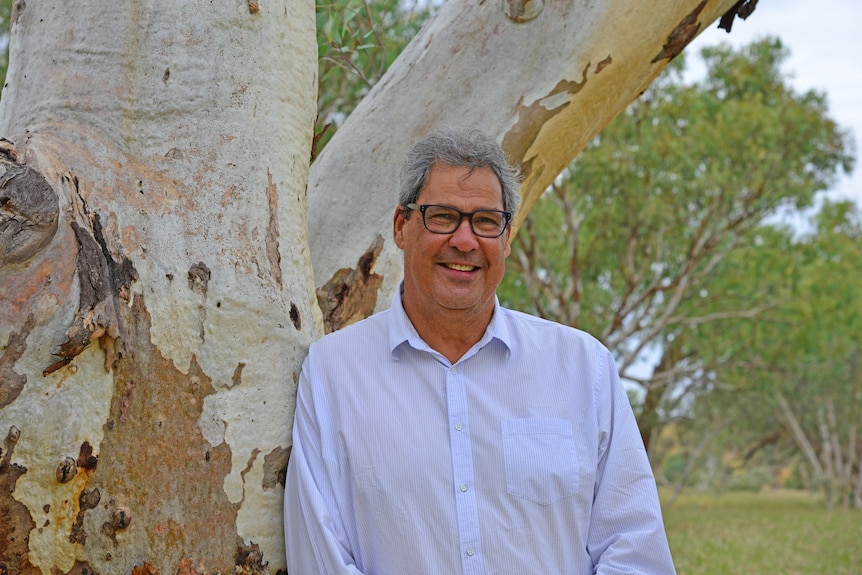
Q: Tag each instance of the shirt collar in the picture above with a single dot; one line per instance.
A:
(401, 329)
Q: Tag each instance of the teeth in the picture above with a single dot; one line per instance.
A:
(460, 267)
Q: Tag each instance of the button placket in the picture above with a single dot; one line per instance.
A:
(466, 506)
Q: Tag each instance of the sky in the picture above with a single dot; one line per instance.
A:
(825, 43)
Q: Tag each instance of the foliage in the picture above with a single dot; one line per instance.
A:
(799, 408)
(762, 534)
(5, 17)
(357, 41)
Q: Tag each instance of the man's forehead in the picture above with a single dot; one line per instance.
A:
(462, 179)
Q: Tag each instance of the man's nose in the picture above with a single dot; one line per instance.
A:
(463, 237)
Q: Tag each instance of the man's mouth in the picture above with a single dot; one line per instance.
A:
(460, 267)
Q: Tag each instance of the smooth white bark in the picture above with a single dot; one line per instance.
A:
(186, 128)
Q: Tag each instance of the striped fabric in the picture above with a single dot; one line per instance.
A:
(523, 457)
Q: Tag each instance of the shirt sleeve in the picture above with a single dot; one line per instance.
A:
(312, 523)
(626, 529)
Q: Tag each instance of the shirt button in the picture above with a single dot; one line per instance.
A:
(470, 551)
(454, 370)
(463, 487)
(459, 426)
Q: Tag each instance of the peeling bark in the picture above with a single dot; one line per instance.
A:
(743, 9)
(275, 467)
(681, 36)
(199, 279)
(272, 233)
(519, 139)
(104, 281)
(249, 561)
(351, 294)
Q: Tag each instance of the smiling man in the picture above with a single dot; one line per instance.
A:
(451, 435)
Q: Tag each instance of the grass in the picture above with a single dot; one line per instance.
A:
(770, 533)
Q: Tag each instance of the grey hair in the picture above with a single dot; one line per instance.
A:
(472, 149)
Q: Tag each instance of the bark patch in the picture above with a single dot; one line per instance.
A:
(199, 279)
(86, 460)
(272, 233)
(523, 10)
(351, 294)
(15, 520)
(88, 499)
(521, 137)
(156, 468)
(295, 317)
(237, 375)
(680, 37)
(11, 382)
(146, 569)
(249, 561)
(17, 7)
(77, 569)
(275, 467)
(604, 64)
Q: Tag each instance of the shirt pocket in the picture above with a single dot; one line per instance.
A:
(541, 460)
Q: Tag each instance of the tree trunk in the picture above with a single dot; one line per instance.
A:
(541, 77)
(149, 205)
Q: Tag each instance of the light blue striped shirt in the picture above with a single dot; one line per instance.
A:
(523, 457)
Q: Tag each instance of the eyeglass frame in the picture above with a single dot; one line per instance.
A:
(421, 208)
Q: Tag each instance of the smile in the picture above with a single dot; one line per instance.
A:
(460, 267)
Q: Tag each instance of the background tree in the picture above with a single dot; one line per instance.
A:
(723, 433)
(629, 242)
(799, 409)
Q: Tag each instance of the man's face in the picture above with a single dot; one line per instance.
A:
(457, 271)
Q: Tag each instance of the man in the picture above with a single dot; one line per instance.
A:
(451, 435)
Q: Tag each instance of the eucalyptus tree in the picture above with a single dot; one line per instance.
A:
(162, 258)
(798, 401)
(815, 384)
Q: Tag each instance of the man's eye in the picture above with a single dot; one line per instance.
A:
(443, 217)
(486, 220)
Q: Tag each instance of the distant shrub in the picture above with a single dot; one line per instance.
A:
(753, 479)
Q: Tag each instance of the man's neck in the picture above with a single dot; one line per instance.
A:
(452, 333)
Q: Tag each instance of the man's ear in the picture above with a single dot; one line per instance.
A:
(398, 222)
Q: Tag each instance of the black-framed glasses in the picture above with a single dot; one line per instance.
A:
(446, 219)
